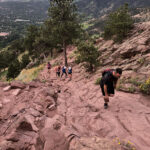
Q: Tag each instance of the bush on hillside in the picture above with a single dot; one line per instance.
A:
(25, 61)
(97, 82)
(13, 69)
(118, 24)
(145, 87)
(89, 54)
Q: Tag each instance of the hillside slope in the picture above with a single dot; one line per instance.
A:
(100, 8)
(61, 112)
(69, 115)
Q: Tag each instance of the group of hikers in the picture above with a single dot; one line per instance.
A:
(108, 81)
(61, 70)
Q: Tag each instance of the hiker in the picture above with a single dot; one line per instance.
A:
(70, 72)
(58, 69)
(108, 83)
(48, 67)
(64, 68)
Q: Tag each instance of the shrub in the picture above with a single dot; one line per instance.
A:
(25, 61)
(118, 24)
(13, 69)
(97, 82)
(125, 145)
(28, 75)
(145, 87)
(89, 54)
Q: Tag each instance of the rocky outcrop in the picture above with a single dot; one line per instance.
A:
(132, 55)
(39, 117)
(59, 114)
(52, 140)
(134, 48)
(23, 109)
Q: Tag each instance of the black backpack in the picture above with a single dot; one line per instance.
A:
(107, 71)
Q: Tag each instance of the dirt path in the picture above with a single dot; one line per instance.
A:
(80, 104)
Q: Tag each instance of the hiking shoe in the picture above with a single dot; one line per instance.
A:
(105, 105)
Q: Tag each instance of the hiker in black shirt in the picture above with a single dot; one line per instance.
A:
(108, 83)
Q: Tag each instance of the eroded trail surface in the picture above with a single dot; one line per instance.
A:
(80, 104)
(58, 114)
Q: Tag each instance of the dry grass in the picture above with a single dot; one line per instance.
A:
(30, 74)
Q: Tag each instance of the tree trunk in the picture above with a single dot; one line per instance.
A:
(91, 67)
(44, 60)
(65, 54)
(51, 52)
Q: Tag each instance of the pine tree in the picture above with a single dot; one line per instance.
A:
(14, 69)
(31, 35)
(64, 21)
(118, 24)
(89, 54)
(25, 61)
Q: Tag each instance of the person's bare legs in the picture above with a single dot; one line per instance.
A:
(111, 95)
(106, 100)
(70, 76)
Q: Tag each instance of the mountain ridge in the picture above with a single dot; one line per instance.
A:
(99, 8)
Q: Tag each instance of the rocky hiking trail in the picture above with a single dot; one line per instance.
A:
(53, 114)
(58, 114)
(80, 104)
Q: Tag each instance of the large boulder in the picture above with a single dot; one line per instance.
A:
(17, 85)
(51, 140)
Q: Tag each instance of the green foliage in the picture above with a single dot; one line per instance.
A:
(32, 33)
(86, 25)
(145, 87)
(25, 61)
(131, 89)
(118, 24)
(89, 54)
(141, 61)
(17, 46)
(28, 75)
(134, 81)
(126, 145)
(97, 82)
(3, 75)
(6, 57)
(64, 22)
(13, 70)
(5, 41)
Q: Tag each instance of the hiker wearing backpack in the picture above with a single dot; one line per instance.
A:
(70, 72)
(108, 83)
(48, 67)
(64, 69)
(58, 69)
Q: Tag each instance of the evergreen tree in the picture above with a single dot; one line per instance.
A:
(118, 24)
(6, 57)
(45, 43)
(64, 21)
(13, 70)
(31, 35)
(25, 61)
(89, 54)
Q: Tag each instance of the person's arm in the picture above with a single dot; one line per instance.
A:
(115, 83)
(106, 93)
(105, 90)
(106, 82)
(106, 97)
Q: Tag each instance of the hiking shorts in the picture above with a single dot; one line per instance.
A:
(110, 88)
(69, 72)
(58, 73)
